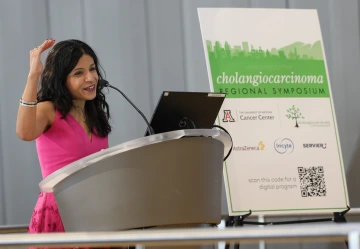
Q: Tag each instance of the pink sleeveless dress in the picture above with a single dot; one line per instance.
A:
(65, 142)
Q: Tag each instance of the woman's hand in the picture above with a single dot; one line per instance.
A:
(36, 66)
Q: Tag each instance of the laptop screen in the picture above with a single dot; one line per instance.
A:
(186, 110)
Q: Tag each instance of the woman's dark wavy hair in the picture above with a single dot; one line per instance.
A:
(61, 60)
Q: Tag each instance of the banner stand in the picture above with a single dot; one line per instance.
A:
(239, 221)
(271, 64)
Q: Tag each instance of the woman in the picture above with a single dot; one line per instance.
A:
(68, 117)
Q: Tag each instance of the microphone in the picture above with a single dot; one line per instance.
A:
(104, 83)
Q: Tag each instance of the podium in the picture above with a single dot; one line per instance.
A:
(171, 179)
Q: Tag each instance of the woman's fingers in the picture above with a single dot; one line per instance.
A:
(46, 45)
(36, 65)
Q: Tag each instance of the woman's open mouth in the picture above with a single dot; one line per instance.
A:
(90, 88)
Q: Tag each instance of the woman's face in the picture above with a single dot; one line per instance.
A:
(82, 80)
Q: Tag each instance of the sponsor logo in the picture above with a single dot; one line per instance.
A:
(295, 114)
(260, 146)
(318, 123)
(228, 117)
(256, 115)
(315, 145)
(284, 145)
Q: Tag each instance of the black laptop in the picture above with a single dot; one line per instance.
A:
(186, 110)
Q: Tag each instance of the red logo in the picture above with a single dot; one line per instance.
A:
(228, 117)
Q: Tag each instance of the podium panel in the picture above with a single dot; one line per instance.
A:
(134, 189)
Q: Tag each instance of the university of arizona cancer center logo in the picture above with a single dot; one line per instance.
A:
(228, 117)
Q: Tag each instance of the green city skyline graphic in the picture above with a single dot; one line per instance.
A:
(294, 51)
(243, 71)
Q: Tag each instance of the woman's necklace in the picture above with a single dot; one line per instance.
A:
(83, 117)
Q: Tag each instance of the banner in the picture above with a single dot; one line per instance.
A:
(279, 110)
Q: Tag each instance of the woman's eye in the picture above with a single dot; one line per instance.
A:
(92, 69)
(78, 73)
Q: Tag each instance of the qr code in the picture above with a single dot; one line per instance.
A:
(312, 181)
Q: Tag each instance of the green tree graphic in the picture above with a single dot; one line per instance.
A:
(294, 113)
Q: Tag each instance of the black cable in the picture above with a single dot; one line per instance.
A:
(230, 150)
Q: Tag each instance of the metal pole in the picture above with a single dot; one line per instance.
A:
(354, 240)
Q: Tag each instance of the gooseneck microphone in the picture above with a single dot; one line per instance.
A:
(105, 83)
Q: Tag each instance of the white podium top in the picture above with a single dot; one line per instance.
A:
(47, 184)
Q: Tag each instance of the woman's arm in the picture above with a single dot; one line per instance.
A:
(33, 120)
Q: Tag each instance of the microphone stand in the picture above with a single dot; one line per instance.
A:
(107, 84)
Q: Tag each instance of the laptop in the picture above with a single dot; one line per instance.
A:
(186, 110)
